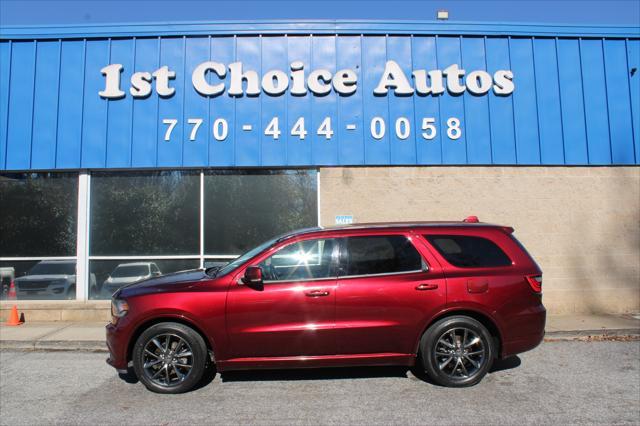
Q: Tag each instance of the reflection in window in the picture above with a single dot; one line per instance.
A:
(243, 210)
(303, 260)
(38, 214)
(110, 275)
(145, 213)
(38, 280)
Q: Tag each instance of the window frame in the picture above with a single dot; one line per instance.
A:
(425, 267)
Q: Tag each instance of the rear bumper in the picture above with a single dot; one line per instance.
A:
(524, 338)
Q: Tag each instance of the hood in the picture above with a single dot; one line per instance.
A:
(166, 283)
(47, 277)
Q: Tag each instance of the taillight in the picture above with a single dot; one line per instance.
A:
(535, 281)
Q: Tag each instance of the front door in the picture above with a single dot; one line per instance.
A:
(386, 292)
(293, 313)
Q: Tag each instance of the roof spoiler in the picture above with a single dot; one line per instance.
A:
(474, 219)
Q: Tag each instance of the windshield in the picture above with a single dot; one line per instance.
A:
(130, 271)
(248, 255)
(58, 268)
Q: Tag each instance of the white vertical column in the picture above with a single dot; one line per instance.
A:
(82, 242)
(202, 219)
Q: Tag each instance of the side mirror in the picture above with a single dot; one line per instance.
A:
(155, 273)
(253, 277)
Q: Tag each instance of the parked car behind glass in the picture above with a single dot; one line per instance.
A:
(127, 273)
(53, 279)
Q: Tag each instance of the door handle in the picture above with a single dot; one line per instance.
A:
(317, 293)
(425, 286)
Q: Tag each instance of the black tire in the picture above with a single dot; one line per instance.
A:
(169, 380)
(464, 365)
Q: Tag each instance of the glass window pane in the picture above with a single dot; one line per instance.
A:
(301, 261)
(39, 280)
(469, 252)
(38, 214)
(381, 255)
(243, 210)
(110, 275)
(145, 213)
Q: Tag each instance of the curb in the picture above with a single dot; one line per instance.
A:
(602, 334)
(55, 345)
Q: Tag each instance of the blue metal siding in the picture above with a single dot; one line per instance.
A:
(576, 99)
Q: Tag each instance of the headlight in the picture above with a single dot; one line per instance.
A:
(119, 308)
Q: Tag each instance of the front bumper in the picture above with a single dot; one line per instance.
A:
(117, 345)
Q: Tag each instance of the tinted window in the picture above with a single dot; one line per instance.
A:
(38, 214)
(469, 252)
(151, 213)
(241, 210)
(300, 261)
(381, 255)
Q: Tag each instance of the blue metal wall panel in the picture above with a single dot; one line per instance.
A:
(595, 100)
(5, 74)
(195, 137)
(324, 150)
(572, 102)
(619, 102)
(350, 140)
(45, 106)
(374, 56)
(144, 131)
(70, 105)
(576, 101)
(401, 113)
(451, 106)
(94, 125)
(247, 147)
(23, 56)
(548, 95)
(476, 109)
(427, 108)
(633, 57)
(503, 142)
(299, 150)
(223, 108)
(274, 151)
(119, 117)
(525, 104)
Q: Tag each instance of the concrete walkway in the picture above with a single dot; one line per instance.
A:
(91, 336)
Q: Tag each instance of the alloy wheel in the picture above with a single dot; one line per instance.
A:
(460, 353)
(167, 359)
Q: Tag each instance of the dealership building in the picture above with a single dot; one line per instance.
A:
(129, 151)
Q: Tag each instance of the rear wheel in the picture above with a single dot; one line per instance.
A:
(457, 351)
(170, 358)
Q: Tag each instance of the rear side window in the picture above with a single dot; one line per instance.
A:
(469, 252)
(381, 255)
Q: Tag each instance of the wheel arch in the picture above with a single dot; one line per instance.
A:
(157, 320)
(479, 316)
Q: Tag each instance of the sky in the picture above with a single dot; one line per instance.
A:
(56, 12)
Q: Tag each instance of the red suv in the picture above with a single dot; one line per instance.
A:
(451, 297)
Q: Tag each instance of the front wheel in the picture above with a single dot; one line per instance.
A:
(170, 358)
(457, 351)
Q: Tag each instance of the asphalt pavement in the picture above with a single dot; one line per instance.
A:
(564, 382)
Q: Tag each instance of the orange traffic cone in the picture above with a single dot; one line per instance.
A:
(11, 295)
(13, 317)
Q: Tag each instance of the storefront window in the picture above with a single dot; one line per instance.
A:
(243, 210)
(38, 214)
(38, 226)
(145, 213)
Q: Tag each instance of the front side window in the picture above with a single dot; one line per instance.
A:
(469, 252)
(385, 254)
(301, 261)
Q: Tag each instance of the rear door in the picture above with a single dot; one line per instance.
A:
(387, 290)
